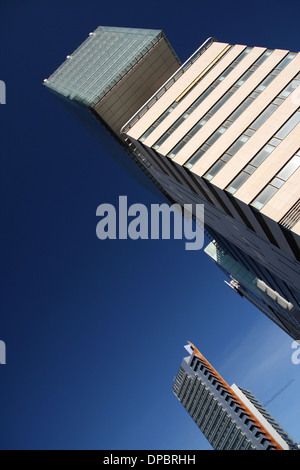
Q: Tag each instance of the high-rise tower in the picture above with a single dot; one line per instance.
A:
(230, 418)
(222, 130)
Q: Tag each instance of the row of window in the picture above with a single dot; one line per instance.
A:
(239, 110)
(178, 381)
(223, 430)
(202, 400)
(250, 131)
(201, 75)
(200, 99)
(276, 183)
(235, 434)
(183, 391)
(215, 423)
(206, 411)
(216, 107)
(264, 153)
(233, 403)
(212, 423)
(176, 102)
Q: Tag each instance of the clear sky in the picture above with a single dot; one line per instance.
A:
(95, 329)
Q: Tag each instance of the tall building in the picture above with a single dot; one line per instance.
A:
(230, 418)
(107, 79)
(222, 130)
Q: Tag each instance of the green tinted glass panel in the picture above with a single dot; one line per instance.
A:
(100, 62)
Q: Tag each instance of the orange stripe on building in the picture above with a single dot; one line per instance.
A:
(198, 354)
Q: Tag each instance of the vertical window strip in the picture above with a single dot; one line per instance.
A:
(277, 182)
(241, 108)
(264, 153)
(173, 105)
(202, 97)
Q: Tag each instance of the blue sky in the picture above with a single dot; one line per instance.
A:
(95, 329)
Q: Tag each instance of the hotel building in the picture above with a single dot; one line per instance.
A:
(222, 129)
(230, 418)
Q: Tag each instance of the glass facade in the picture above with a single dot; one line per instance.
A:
(100, 61)
(225, 246)
(268, 300)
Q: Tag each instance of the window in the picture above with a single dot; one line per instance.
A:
(264, 197)
(261, 156)
(246, 103)
(173, 105)
(222, 101)
(204, 95)
(264, 116)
